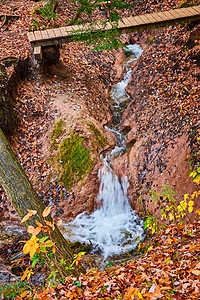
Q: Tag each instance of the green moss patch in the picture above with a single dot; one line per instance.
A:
(72, 160)
(100, 139)
(58, 129)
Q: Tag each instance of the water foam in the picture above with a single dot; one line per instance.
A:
(114, 228)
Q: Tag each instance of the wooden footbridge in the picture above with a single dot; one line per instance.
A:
(56, 36)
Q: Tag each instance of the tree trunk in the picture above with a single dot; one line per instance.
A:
(23, 196)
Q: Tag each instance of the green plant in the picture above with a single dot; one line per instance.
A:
(17, 288)
(42, 249)
(171, 211)
(109, 264)
(48, 9)
(151, 222)
(36, 24)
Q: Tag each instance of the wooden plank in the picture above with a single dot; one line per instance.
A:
(51, 33)
(174, 14)
(185, 12)
(38, 53)
(158, 18)
(132, 21)
(75, 27)
(151, 18)
(44, 34)
(66, 31)
(31, 36)
(138, 20)
(163, 17)
(180, 13)
(169, 16)
(38, 36)
(197, 8)
(63, 31)
(193, 11)
(57, 32)
(144, 19)
(124, 23)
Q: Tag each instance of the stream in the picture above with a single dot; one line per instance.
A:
(114, 228)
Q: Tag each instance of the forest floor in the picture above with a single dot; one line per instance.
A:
(168, 266)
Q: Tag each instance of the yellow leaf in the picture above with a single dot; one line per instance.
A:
(150, 248)
(190, 203)
(39, 224)
(59, 223)
(170, 241)
(46, 212)
(53, 249)
(25, 274)
(29, 274)
(186, 196)
(139, 295)
(26, 248)
(197, 211)
(183, 204)
(190, 209)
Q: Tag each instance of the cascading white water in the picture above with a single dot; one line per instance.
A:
(114, 228)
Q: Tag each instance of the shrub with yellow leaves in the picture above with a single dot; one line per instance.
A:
(39, 248)
(171, 212)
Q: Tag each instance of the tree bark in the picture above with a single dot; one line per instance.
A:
(23, 197)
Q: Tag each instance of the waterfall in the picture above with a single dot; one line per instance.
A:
(114, 228)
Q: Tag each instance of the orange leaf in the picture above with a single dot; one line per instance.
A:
(39, 224)
(32, 212)
(59, 223)
(50, 224)
(30, 229)
(33, 249)
(46, 212)
(24, 294)
(26, 218)
(36, 231)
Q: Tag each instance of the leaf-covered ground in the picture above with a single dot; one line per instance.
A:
(170, 267)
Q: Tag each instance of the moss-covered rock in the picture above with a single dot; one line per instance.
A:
(71, 160)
